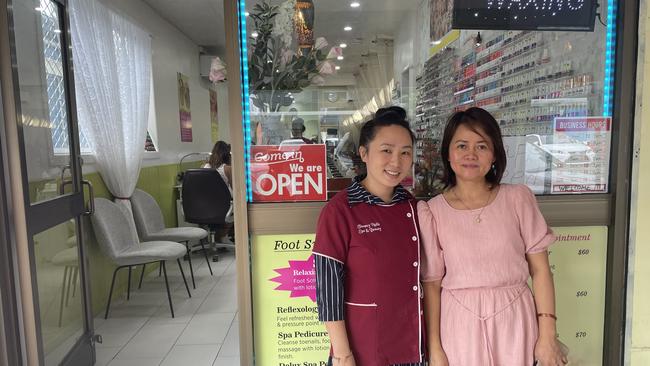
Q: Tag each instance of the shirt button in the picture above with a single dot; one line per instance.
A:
(414, 238)
(415, 264)
(408, 214)
(415, 288)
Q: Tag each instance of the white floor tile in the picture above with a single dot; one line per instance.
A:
(152, 341)
(105, 354)
(136, 362)
(226, 361)
(207, 329)
(195, 355)
(230, 347)
(184, 310)
(119, 331)
(219, 301)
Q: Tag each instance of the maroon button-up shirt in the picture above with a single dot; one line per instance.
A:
(378, 245)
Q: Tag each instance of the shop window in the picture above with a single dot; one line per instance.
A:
(55, 81)
(548, 91)
(56, 89)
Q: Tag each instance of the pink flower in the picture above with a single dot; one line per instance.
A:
(335, 52)
(318, 80)
(320, 43)
(326, 68)
(217, 70)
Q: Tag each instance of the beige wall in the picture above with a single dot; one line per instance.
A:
(638, 316)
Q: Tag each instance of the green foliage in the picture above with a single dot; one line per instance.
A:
(274, 70)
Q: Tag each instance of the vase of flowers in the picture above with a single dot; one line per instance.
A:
(277, 70)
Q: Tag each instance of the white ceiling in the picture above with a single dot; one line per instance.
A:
(202, 21)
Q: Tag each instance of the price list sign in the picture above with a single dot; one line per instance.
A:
(285, 315)
(578, 260)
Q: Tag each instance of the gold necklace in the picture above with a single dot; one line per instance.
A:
(477, 219)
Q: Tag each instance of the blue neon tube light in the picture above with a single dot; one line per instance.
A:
(246, 118)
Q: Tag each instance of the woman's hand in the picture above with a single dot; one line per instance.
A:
(549, 353)
(438, 358)
(345, 360)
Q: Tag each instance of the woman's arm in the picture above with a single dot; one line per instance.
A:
(432, 316)
(227, 170)
(341, 352)
(547, 350)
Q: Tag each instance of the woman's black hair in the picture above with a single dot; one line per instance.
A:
(220, 154)
(388, 116)
(480, 121)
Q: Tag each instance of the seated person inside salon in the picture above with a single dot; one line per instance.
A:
(220, 160)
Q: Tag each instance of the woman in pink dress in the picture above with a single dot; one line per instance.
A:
(481, 242)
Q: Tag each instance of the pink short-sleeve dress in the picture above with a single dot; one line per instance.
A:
(487, 313)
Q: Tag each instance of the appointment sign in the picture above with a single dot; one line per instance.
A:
(566, 15)
(288, 173)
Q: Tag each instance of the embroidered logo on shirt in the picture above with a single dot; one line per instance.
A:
(368, 228)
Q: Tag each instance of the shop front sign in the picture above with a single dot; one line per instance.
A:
(288, 173)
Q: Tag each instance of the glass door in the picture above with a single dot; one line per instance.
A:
(48, 141)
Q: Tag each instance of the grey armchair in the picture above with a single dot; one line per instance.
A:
(151, 227)
(119, 241)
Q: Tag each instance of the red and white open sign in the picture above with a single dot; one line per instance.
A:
(289, 173)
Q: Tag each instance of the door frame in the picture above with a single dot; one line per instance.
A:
(30, 219)
(11, 343)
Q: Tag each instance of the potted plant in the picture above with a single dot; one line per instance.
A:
(276, 72)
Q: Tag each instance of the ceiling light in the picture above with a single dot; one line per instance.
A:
(38, 9)
(347, 28)
(247, 13)
(355, 4)
(343, 45)
(337, 67)
(254, 34)
(435, 43)
(57, 31)
(339, 58)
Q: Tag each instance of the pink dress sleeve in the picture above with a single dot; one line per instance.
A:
(532, 225)
(432, 262)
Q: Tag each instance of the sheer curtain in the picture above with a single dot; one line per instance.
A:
(112, 59)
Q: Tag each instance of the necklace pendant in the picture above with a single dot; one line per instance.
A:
(477, 219)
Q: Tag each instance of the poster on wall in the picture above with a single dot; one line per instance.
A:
(185, 113)
(285, 315)
(289, 173)
(578, 262)
(214, 122)
(580, 154)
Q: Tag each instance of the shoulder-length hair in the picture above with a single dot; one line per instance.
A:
(481, 122)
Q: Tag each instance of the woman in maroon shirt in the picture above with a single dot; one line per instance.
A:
(367, 255)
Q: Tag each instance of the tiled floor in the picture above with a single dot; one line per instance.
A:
(204, 331)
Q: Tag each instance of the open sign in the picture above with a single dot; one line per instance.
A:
(288, 173)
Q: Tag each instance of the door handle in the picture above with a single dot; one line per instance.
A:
(63, 184)
(91, 199)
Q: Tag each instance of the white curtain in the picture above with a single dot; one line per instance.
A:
(112, 59)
